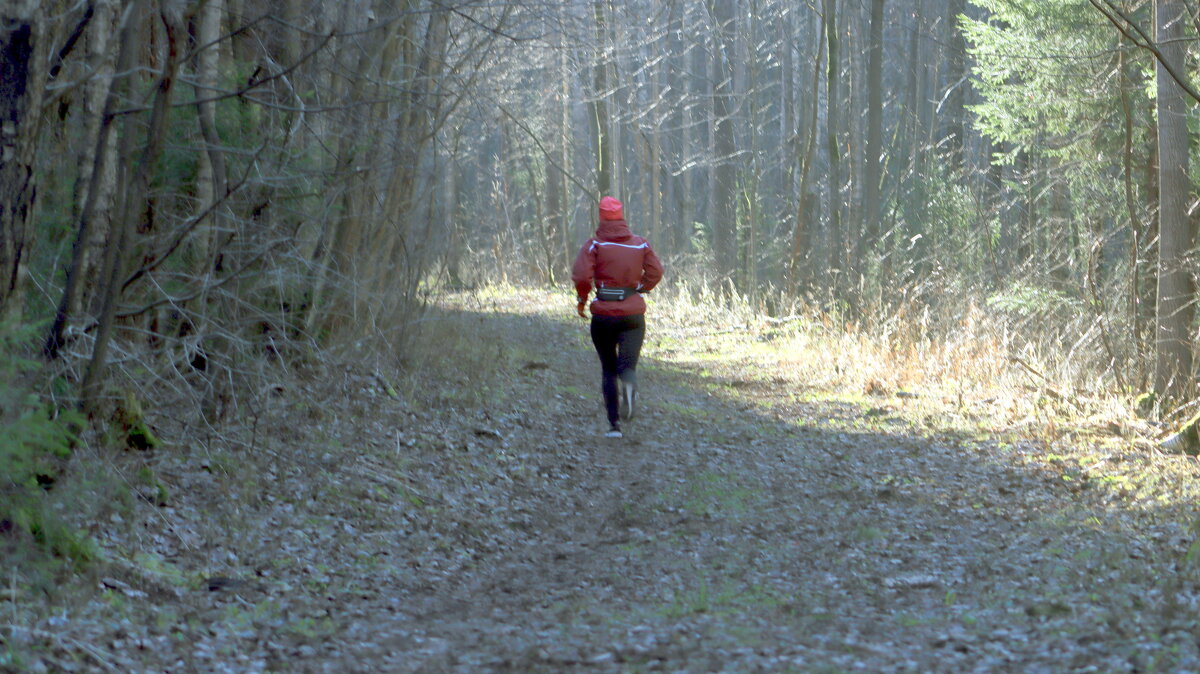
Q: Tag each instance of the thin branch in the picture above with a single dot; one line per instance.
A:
(1113, 13)
(493, 30)
(549, 155)
(1098, 298)
(72, 40)
(186, 229)
(129, 313)
(250, 86)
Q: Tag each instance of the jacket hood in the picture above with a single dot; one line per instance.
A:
(613, 230)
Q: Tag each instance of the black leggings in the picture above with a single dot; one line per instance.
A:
(618, 340)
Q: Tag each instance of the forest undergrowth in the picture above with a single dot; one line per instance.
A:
(797, 493)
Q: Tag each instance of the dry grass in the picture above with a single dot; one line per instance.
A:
(965, 360)
(1042, 375)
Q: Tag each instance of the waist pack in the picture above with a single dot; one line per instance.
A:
(614, 294)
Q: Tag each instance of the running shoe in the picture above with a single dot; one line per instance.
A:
(628, 400)
(614, 432)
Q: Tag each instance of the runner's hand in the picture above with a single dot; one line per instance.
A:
(580, 309)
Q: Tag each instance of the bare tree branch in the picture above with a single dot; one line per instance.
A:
(1137, 35)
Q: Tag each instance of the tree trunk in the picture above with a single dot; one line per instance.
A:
(724, 227)
(655, 164)
(567, 249)
(912, 146)
(600, 121)
(97, 169)
(853, 49)
(833, 103)
(342, 233)
(1148, 252)
(802, 227)
(101, 189)
(872, 155)
(135, 201)
(1173, 376)
(1127, 90)
(954, 117)
(214, 188)
(417, 131)
(994, 199)
(789, 125)
(23, 51)
(745, 91)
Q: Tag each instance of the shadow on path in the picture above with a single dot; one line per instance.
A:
(740, 527)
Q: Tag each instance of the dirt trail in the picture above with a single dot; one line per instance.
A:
(737, 527)
(736, 530)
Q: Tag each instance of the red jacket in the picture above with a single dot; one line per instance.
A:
(616, 258)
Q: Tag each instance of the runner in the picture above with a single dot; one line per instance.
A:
(620, 266)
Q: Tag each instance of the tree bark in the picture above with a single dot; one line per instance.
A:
(1127, 89)
(84, 262)
(724, 227)
(565, 148)
(23, 56)
(400, 267)
(135, 201)
(655, 164)
(214, 188)
(342, 234)
(1173, 376)
(832, 104)
(954, 117)
(872, 154)
(97, 175)
(802, 226)
(599, 106)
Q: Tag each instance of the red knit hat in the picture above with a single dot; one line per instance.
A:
(611, 209)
